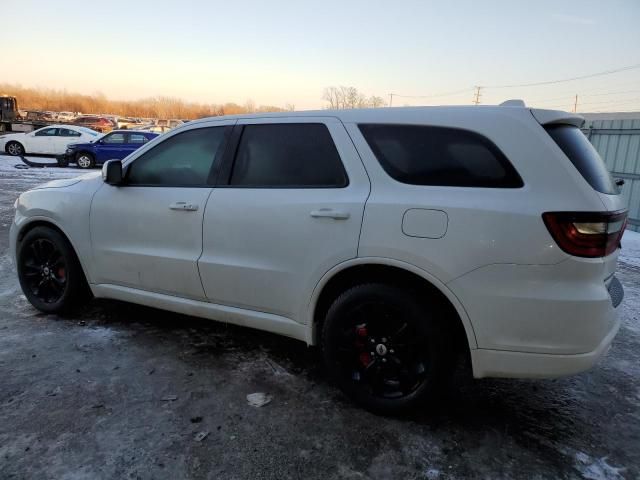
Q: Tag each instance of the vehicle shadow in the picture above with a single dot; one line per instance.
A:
(548, 409)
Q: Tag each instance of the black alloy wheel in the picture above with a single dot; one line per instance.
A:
(385, 348)
(49, 271)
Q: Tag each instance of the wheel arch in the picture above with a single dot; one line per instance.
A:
(366, 270)
(47, 222)
(10, 141)
(85, 151)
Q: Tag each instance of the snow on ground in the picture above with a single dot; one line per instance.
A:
(13, 166)
(630, 252)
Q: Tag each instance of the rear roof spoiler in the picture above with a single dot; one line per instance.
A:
(555, 117)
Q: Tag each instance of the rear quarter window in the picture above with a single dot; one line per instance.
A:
(584, 157)
(439, 156)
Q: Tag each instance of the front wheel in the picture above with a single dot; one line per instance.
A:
(85, 160)
(14, 149)
(49, 271)
(388, 349)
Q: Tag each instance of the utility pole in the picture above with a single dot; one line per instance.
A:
(391, 99)
(476, 99)
(575, 104)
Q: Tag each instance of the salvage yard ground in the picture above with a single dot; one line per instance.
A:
(121, 391)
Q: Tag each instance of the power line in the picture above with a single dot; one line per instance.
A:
(476, 89)
(569, 96)
(549, 82)
(610, 93)
(445, 94)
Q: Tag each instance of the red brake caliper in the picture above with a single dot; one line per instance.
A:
(361, 334)
(61, 272)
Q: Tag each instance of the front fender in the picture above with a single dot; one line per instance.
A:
(67, 209)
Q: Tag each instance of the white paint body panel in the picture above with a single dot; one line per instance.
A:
(256, 257)
(262, 248)
(52, 145)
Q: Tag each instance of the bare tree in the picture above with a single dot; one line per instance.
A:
(339, 98)
(376, 102)
(156, 107)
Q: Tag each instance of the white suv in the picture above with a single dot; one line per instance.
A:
(394, 238)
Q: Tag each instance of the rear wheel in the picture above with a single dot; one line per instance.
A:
(387, 350)
(85, 160)
(14, 148)
(49, 271)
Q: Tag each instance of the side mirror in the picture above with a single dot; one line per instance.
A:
(112, 172)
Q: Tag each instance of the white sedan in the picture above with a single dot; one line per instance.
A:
(51, 140)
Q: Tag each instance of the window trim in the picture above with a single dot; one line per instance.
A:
(37, 134)
(500, 156)
(230, 158)
(213, 171)
(125, 136)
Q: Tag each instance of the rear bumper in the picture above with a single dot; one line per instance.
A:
(539, 320)
(497, 363)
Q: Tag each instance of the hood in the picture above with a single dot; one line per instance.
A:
(67, 182)
(10, 136)
(80, 144)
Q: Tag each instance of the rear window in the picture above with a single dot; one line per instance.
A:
(438, 156)
(583, 156)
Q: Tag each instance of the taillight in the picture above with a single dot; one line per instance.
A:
(586, 234)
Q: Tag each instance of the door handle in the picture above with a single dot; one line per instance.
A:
(329, 213)
(184, 206)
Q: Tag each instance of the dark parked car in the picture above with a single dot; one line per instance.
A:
(115, 145)
(99, 124)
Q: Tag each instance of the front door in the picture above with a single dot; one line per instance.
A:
(289, 209)
(42, 141)
(111, 146)
(147, 233)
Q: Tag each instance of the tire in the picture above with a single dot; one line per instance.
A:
(85, 160)
(49, 271)
(387, 350)
(13, 148)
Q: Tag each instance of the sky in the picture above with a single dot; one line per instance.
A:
(286, 52)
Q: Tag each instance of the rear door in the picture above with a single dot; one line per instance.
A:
(287, 209)
(134, 141)
(65, 137)
(147, 233)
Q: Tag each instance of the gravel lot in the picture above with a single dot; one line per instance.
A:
(121, 391)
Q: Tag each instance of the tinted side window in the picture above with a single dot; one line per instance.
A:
(114, 138)
(137, 138)
(47, 132)
(583, 156)
(287, 155)
(184, 159)
(438, 156)
(65, 132)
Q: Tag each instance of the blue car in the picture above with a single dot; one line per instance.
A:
(114, 145)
